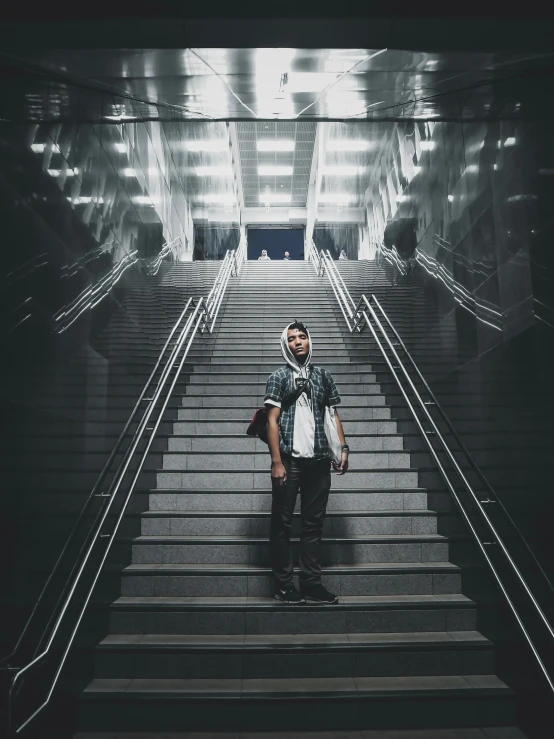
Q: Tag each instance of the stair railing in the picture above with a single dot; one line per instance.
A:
(213, 301)
(197, 315)
(169, 248)
(363, 314)
(313, 256)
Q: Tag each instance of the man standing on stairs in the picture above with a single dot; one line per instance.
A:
(300, 460)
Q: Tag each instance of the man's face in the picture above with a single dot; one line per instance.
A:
(287, 254)
(299, 343)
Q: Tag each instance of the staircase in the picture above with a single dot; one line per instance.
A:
(196, 641)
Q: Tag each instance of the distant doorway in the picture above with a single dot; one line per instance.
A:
(276, 241)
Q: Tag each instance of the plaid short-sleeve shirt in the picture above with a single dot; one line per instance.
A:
(280, 384)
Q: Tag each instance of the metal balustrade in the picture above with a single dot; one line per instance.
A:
(50, 651)
(369, 313)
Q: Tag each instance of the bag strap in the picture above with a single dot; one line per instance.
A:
(291, 399)
(325, 387)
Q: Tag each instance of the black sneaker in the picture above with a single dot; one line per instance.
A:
(318, 594)
(289, 594)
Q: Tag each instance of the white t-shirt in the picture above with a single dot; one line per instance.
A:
(303, 441)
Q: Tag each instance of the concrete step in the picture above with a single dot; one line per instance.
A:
(218, 426)
(213, 400)
(258, 615)
(237, 499)
(233, 479)
(250, 523)
(257, 389)
(245, 413)
(242, 549)
(293, 655)
(392, 578)
(243, 377)
(246, 444)
(378, 460)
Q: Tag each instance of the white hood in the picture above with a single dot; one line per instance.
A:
(301, 370)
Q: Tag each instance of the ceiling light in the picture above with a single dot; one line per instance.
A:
(129, 172)
(451, 198)
(427, 145)
(120, 117)
(510, 141)
(472, 168)
(278, 197)
(343, 170)
(275, 145)
(66, 172)
(207, 145)
(121, 148)
(38, 148)
(221, 199)
(348, 145)
(84, 199)
(272, 170)
(215, 171)
(337, 197)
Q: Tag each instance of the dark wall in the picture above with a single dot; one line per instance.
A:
(276, 241)
(82, 319)
(338, 236)
(212, 242)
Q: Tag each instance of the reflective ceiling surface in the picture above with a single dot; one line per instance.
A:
(251, 84)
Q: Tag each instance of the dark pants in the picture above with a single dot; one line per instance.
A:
(313, 478)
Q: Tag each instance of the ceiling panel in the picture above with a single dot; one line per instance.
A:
(255, 185)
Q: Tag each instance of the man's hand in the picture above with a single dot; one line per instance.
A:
(278, 473)
(342, 468)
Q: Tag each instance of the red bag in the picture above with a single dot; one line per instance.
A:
(258, 424)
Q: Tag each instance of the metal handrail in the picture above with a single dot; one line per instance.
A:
(95, 493)
(342, 293)
(475, 467)
(313, 256)
(170, 247)
(361, 317)
(201, 314)
(110, 497)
